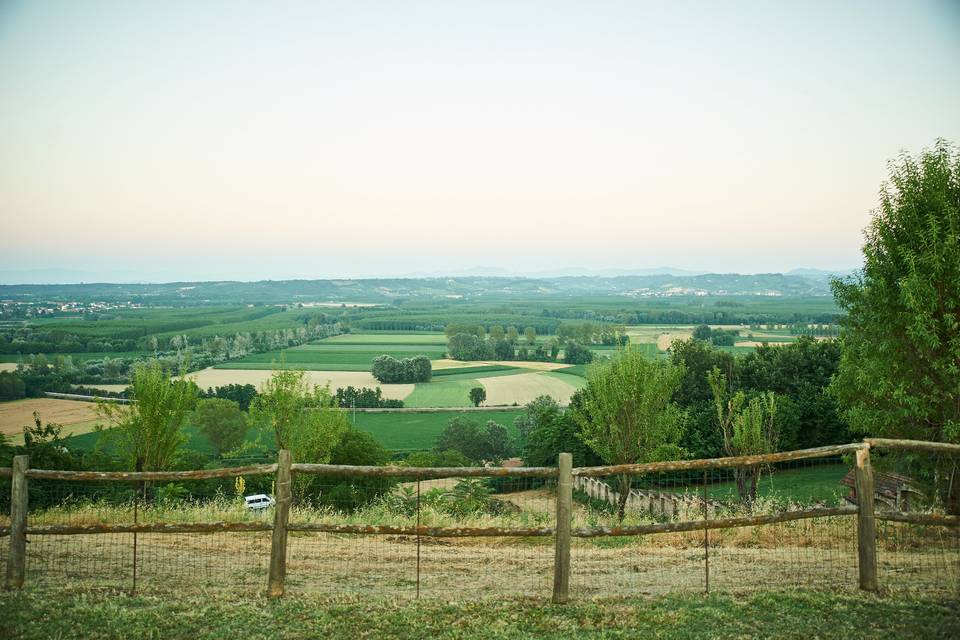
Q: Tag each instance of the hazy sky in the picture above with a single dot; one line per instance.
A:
(205, 140)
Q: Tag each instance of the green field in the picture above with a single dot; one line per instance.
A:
(402, 431)
(437, 339)
(397, 431)
(328, 355)
(442, 393)
(209, 615)
(805, 484)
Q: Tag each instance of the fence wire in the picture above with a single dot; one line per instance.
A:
(364, 540)
(816, 552)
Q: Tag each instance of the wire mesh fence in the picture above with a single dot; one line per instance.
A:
(474, 533)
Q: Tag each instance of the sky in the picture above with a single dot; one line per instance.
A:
(203, 140)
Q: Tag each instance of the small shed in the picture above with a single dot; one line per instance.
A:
(891, 489)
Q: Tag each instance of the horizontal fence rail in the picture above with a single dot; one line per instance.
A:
(425, 472)
(914, 445)
(685, 507)
(716, 463)
(151, 476)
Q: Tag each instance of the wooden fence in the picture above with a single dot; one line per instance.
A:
(565, 477)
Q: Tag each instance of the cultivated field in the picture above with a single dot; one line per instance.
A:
(524, 387)
(76, 417)
(206, 378)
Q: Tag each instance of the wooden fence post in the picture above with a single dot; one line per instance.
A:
(866, 522)
(281, 515)
(17, 561)
(561, 566)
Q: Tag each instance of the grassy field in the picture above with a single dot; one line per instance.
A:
(397, 431)
(443, 392)
(417, 431)
(804, 484)
(336, 356)
(205, 616)
(74, 416)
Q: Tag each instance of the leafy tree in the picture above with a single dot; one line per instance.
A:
(899, 373)
(801, 371)
(749, 428)
(242, 394)
(477, 395)
(546, 430)
(574, 353)
(446, 458)
(304, 420)
(389, 370)
(43, 443)
(222, 422)
(530, 334)
(901, 338)
(627, 413)
(12, 386)
(490, 442)
(357, 448)
(149, 431)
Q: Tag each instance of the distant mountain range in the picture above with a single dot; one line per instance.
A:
(798, 283)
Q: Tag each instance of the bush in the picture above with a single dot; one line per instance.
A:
(575, 353)
(389, 370)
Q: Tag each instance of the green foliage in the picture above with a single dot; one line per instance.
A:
(627, 414)
(148, 432)
(546, 430)
(477, 395)
(304, 420)
(748, 428)
(364, 397)
(389, 370)
(350, 493)
(12, 386)
(242, 394)
(446, 458)
(222, 422)
(575, 353)
(491, 442)
(900, 369)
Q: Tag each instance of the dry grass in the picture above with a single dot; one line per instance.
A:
(817, 552)
(19, 413)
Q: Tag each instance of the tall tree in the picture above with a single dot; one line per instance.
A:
(900, 363)
(627, 413)
(749, 428)
(304, 419)
(149, 430)
(222, 422)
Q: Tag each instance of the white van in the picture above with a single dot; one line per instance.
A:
(259, 501)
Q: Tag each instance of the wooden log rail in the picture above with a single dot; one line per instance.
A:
(202, 474)
(722, 523)
(148, 527)
(914, 445)
(431, 532)
(425, 472)
(717, 463)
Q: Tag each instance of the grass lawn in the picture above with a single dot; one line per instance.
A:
(331, 357)
(67, 613)
(442, 393)
(805, 484)
(400, 431)
(417, 431)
